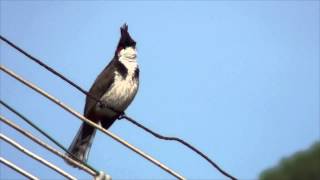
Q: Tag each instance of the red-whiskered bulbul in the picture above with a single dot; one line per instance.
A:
(115, 87)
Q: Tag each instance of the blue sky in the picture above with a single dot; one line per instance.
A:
(237, 79)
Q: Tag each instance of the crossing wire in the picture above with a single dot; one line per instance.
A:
(45, 134)
(122, 115)
(79, 116)
(46, 146)
(36, 157)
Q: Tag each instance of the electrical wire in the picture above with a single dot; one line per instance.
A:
(36, 157)
(45, 134)
(79, 116)
(121, 114)
(18, 169)
(46, 146)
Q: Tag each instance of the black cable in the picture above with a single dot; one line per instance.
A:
(178, 140)
(121, 114)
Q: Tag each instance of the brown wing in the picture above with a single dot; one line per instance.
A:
(99, 87)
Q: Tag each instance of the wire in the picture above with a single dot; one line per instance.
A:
(36, 157)
(18, 169)
(181, 141)
(45, 134)
(121, 114)
(56, 73)
(41, 143)
(79, 116)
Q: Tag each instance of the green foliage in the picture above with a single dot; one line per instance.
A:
(304, 165)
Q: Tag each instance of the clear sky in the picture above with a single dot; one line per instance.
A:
(237, 79)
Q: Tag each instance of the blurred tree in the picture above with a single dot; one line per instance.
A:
(303, 165)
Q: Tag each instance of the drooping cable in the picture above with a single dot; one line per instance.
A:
(84, 119)
(121, 114)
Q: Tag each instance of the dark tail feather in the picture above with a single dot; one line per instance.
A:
(82, 142)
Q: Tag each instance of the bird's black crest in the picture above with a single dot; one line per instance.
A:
(125, 39)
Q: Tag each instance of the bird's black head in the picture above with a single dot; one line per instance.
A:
(125, 39)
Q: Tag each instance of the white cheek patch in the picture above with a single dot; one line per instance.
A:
(128, 57)
(128, 52)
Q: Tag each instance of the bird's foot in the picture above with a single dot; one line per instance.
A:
(121, 115)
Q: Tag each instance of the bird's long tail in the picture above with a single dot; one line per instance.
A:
(82, 142)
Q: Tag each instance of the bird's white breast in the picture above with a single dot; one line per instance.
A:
(123, 90)
(121, 93)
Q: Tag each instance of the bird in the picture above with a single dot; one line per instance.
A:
(115, 88)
